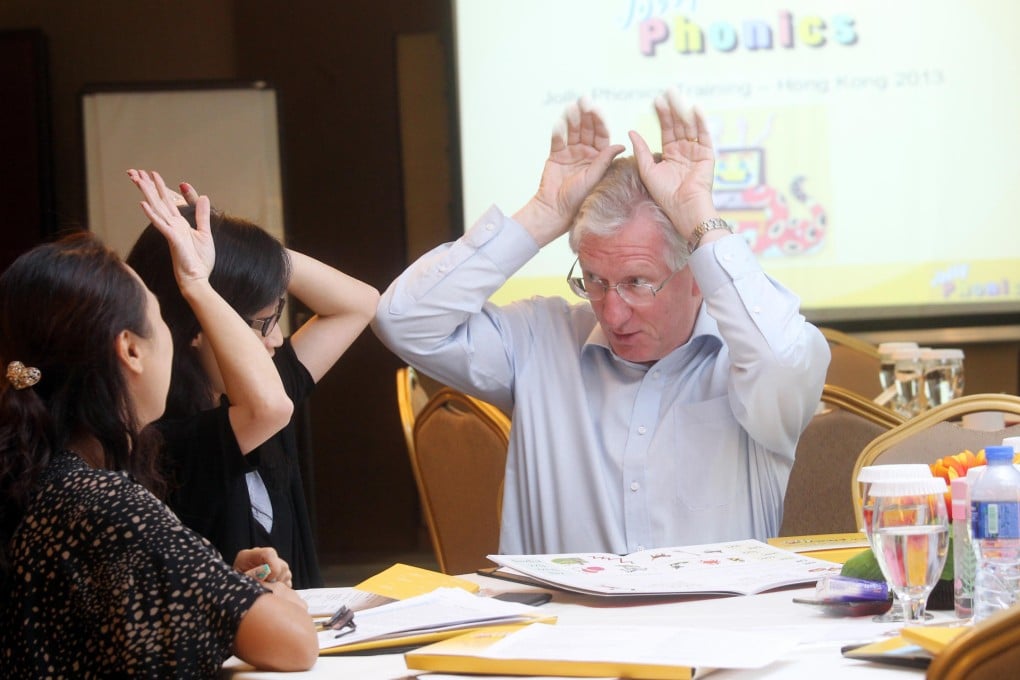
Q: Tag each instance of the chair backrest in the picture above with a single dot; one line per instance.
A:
(854, 365)
(459, 461)
(412, 395)
(816, 500)
(988, 651)
(933, 435)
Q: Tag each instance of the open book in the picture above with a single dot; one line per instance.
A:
(736, 568)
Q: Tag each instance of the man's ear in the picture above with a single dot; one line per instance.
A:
(129, 351)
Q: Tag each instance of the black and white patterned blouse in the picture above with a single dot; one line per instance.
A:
(106, 581)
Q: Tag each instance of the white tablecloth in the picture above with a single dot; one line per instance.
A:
(818, 656)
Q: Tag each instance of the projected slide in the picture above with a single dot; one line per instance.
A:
(868, 151)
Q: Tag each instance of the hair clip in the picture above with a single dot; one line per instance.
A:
(342, 620)
(22, 376)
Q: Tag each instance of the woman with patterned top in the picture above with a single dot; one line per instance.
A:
(98, 577)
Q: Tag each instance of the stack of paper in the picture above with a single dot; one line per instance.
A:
(601, 651)
(425, 618)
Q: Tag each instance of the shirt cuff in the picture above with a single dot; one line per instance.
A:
(719, 263)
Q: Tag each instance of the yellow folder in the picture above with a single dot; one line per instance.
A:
(402, 581)
(466, 654)
(832, 547)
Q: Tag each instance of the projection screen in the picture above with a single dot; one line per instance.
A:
(868, 151)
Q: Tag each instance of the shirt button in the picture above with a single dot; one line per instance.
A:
(642, 429)
(634, 486)
(756, 309)
(655, 374)
(489, 226)
(727, 257)
(640, 548)
(443, 268)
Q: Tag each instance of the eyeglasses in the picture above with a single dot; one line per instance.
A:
(266, 325)
(634, 294)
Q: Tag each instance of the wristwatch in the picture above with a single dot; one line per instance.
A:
(708, 225)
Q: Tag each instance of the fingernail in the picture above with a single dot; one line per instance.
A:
(261, 572)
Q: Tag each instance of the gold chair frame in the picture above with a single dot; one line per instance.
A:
(851, 401)
(855, 363)
(853, 342)
(988, 651)
(951, 410)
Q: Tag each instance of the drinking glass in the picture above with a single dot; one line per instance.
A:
(866, 478)
(886, 376)
(910, 534)
(908, 375)
(943, 375)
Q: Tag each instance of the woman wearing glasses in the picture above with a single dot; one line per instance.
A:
(230, 442)
(97, 577)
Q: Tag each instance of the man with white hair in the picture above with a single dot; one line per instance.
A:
(663, 411)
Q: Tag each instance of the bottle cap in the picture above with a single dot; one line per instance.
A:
(999, 453)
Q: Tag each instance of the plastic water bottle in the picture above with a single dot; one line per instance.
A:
(995, 524)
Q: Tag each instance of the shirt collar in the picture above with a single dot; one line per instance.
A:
(704, 327)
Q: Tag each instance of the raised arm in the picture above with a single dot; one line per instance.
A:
(579, 154)
(343, 306)
(259, 406)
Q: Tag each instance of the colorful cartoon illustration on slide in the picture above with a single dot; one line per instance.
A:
(778, 227)
(764, 187)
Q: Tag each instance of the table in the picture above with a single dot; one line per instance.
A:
(818, 656)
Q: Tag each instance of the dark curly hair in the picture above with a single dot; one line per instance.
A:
(62, 305)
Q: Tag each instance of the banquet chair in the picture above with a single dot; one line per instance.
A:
(854, 364)
(413, 391)
(988, 651)
(459, 458)
(816, 500)
(937, 433)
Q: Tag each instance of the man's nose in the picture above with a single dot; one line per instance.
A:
(615, 310)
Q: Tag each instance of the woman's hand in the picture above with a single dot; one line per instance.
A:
(263, 564)
(192, 250)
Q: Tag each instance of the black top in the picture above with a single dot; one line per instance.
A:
(207, 480)
(107, 582)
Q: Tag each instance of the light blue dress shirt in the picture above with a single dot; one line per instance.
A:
(605, 454)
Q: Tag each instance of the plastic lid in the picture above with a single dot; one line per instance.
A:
(908, 487)
(945, 354)
(888, 347)
(906, 354)
(878, 473)
(1013, 442)
(999, 453)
